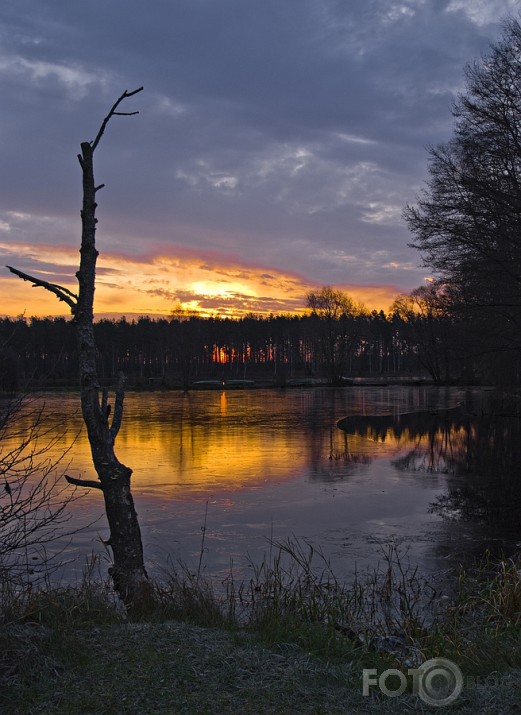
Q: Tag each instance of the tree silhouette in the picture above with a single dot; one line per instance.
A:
(128, 570)
(468, 221)
(336, 327)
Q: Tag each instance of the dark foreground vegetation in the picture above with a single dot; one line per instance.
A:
(292, 640)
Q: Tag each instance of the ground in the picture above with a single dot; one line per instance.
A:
(178, 668)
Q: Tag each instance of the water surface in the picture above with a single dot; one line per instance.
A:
(350, 470)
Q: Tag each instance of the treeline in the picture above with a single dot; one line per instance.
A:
(175, 353)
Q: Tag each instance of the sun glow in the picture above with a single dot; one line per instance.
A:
(160, 283)
(218, 289)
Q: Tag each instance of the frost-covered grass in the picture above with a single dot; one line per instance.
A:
(291, 640)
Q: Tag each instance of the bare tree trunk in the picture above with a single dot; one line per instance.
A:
(128, 571)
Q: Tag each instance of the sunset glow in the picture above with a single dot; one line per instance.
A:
(155, 285)
(241, 179)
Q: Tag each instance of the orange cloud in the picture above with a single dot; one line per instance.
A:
(175, 278)
(373, 296)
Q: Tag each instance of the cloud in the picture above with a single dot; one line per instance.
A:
(483, 12)
(156, 284)
(77, 81)
(286, 135)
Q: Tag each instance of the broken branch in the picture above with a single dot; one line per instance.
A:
(62, 293)
(113, 112)
(118, 406)
(83, 482)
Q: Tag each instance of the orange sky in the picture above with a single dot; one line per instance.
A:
(156, 284)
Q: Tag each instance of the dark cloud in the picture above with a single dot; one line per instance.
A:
(288, 133)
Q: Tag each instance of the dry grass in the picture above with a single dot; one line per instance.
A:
(292, 640)
(180, 668)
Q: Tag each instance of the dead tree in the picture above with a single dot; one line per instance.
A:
(128, 569)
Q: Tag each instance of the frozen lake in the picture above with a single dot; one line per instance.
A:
(255, 465)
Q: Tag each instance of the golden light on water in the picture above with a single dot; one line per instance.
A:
(189, 454)
(223, 403)
(271, 464)
(184, 446)
(209, 456)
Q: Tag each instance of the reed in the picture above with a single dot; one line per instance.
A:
(293, 603)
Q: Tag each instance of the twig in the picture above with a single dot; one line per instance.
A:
(203, 529)
(113, 112)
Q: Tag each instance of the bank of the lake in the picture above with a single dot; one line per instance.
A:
(289, 641)
(183, 669)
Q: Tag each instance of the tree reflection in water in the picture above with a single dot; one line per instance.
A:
(476, 444)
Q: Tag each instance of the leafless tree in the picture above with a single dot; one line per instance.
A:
(338, 331)
(467, 222)
(427, 311)
(34, 499)
(128, 571)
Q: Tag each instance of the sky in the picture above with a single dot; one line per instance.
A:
(276, 145)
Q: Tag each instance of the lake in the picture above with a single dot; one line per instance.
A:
(349, 470)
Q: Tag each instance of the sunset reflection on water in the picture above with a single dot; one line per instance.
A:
(348, 469)
(223, 440)
(210, 441)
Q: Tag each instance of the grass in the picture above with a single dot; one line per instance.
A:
(291, 640)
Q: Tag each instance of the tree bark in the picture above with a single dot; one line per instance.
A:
(128, 571)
